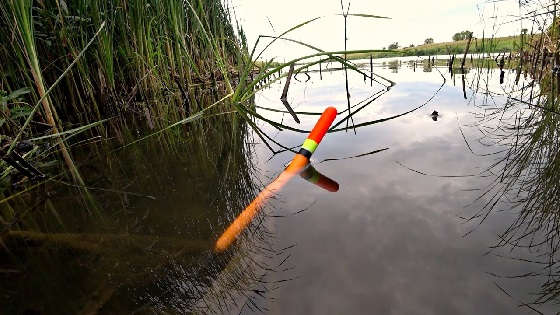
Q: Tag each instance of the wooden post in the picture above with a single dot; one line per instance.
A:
(464, 90)
(371, 70)
(466, 52)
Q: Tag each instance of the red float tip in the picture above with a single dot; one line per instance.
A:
(323, 125)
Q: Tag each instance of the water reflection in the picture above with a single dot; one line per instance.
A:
(313, 176)
(390, 241)
(154, 216)
(526, 182)
(230, 281)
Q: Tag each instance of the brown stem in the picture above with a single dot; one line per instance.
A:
(284, 97)
(466, 52)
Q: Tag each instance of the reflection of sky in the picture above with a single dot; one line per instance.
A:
(390, 241)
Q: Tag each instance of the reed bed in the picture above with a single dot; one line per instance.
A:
(95, 71)
(96, 68)
(146, 51)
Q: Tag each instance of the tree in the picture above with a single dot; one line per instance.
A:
(394, 45)
(411, 45)
(462, 35)
(428, 41)
(457, 37)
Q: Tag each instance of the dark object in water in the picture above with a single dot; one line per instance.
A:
(435, 115)
(15, 160)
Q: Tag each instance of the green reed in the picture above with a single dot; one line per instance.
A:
(145, 50)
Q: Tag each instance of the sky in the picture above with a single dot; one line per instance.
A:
(411, 22)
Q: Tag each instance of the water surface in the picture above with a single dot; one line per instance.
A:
(394, 239)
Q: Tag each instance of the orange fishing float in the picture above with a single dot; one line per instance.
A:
(301, 159)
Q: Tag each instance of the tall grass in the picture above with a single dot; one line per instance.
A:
(526, 170)
(89, 62)
(147, 48)
(23, 25)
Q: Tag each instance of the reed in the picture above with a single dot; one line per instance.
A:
(145, 50)
(525, 171)
(93, 67)
(23, 25)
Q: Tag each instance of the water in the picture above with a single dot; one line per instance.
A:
(392, 240)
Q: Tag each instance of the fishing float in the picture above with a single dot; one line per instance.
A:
(299, 163)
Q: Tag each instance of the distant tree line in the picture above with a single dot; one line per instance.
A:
(456, 37)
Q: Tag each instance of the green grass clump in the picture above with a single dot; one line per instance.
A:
(148, 50)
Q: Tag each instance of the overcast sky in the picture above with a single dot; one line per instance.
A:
(411, 21)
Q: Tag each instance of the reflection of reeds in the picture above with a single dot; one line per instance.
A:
(531, 173)
(134, 238)
(526, 180)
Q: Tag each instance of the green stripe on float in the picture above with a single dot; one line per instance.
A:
(310, 145)
(314, 178)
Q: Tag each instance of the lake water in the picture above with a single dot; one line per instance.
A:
(394, 238)
(393, 241)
